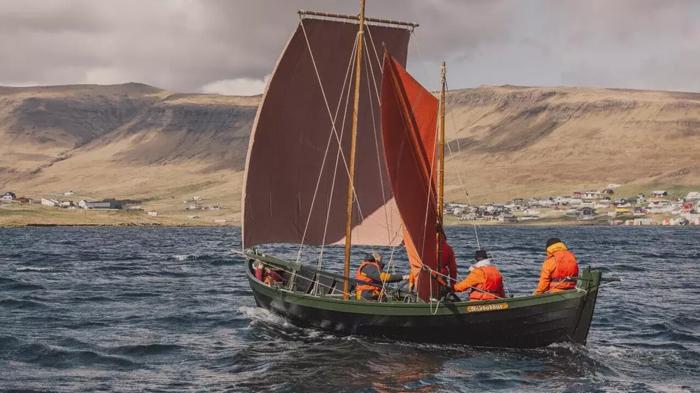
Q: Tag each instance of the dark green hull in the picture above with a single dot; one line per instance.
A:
(523, 322)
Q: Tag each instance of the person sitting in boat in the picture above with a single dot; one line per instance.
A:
(559, 270)
(484, 279)
(370, 272)
(272, 277)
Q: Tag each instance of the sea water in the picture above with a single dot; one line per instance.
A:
(169, 309)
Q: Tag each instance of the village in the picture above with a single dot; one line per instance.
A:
(585, 207)
(67, 201)
(601, 207)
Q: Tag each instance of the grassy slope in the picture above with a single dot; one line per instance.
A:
(138, 142)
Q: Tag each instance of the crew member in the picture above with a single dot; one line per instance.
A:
(448, 263)
(484, 279)
(559, 270)
(370, 271)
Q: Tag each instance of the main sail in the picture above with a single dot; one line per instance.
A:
(296, 174)
(409, 131)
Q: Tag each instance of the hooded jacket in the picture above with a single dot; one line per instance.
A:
(484, 280)
(559, 265)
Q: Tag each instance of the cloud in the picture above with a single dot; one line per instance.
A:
(235, 87)
(189, 45)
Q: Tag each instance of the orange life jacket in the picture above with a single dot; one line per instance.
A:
(360, 276)
(491, 287)
(566, 266)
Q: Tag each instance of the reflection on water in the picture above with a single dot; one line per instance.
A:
(156, 309)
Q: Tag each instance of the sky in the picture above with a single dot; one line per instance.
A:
(231, 46)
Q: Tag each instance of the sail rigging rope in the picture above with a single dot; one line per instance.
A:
(325, 154)
(330, 114)
(333, 132)
(389, 222)
(374, 47)
(449, 148)
(319, 264)
(459, 173)
(376, 138)
(390, 265)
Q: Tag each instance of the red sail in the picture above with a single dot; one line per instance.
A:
(409, 121)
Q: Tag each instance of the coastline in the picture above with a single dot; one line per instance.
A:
(13, 216)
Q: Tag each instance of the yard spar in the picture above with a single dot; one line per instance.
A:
(332, 160)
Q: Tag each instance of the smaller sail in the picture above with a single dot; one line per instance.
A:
(409, 121)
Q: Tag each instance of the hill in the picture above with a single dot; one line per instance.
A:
(523, 141)
(138, 142)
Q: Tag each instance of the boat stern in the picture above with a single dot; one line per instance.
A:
(589, 281)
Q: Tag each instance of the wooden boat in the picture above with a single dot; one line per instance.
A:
(304, 186)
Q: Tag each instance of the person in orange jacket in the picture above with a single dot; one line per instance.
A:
(484, 279)
(559, 270)
(370, 272)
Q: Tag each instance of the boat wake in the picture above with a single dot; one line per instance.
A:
(262, 315)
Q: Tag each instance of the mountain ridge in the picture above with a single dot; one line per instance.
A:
(138, 141)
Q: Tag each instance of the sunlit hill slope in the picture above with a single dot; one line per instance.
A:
(133, 141)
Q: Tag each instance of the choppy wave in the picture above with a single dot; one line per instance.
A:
(158, 309)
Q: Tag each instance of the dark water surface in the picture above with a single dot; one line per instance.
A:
(159, 309)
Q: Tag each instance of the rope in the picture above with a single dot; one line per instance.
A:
(335, 132)
(374, 48)
(432, 167)
(376, 139)
(337, 158)
(391, 261)
(427, 207)
(333, 128)
(459, 173)
(433, 272)
(316, 282)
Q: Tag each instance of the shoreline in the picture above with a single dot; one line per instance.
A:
(18, 216)
(237, 225)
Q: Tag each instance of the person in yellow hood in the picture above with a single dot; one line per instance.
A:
(559, 270)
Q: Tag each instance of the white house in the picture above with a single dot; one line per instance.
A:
(49, 202)
(693, 196)
(591, 195)
(8, 197)
(106, 204)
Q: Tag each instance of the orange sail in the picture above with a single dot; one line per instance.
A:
(409, 121)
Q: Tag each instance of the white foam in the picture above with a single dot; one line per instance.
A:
(259, 314)
(33, 269)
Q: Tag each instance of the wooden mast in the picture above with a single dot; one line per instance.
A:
(441, 167)
(353, 142)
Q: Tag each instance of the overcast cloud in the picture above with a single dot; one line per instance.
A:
(223, 46)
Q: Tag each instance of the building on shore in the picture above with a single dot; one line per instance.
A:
(49, 202)
(8, 197)
(103, 204)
